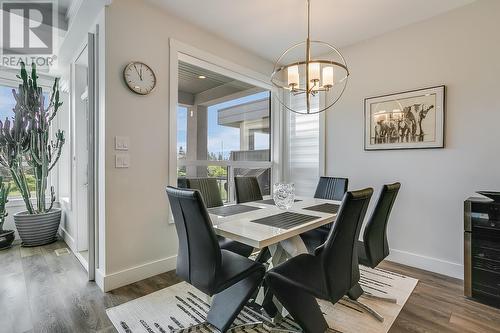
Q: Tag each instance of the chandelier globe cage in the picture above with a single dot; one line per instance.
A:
(311, 76)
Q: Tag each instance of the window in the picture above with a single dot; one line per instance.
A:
(181, 138)
(302, 140)
(223, 130)
(233, 127)
(7, 104)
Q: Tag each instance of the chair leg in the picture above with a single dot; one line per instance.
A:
(354, 294)
(268, 304)
(301, 305)
(366, 308)
(227, 304)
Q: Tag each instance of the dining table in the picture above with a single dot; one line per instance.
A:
(262, 224)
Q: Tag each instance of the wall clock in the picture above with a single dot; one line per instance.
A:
(139, 77)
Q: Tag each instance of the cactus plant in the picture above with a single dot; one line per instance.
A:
(24, 140)
(4, 194)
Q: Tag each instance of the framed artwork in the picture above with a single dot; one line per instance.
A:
(407, 120)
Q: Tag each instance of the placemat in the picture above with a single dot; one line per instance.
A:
(231, 210)
(325, 208)
(286, 220)
(271, 201)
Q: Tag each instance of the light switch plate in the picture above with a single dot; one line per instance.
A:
(122, 142)
(122, 161)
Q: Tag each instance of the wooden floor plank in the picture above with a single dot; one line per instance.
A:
(438, 305)
(10, 261)
(14, 304)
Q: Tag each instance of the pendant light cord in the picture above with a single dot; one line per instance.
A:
(308, 19)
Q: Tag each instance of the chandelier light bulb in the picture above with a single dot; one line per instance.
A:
(327, 77)
(293, 76)
(314, 68)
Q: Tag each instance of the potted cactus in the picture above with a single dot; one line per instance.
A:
(25, 143)
(6, 236)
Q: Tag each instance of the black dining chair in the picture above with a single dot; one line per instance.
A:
(247, 189)
(229, 277)
(374, 248)
(211, 197)
(209, 190)
(329, 188)
(330, 273)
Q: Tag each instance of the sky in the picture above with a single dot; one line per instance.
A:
(7, 102)
(221, 139)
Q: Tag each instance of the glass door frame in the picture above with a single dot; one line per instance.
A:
(90, 263)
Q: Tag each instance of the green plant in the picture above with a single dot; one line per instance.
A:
(26, 139)
(4, 194)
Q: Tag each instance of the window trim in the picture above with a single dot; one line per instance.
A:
(186, 53)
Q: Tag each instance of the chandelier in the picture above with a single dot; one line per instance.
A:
(311, 75)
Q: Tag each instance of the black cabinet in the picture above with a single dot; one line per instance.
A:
(482, 250)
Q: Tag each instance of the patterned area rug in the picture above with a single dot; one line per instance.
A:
(182, 305)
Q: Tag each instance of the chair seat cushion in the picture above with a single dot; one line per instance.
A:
(304, 272)
(362, 256)
(234, 268)
(234, 246)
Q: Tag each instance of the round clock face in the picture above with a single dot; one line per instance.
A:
(139, 77)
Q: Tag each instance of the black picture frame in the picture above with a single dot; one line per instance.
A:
(404, 140)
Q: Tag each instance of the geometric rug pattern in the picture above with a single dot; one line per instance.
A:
(181, 305)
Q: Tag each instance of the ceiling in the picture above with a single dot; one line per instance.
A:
(190, 82)
(268, 27)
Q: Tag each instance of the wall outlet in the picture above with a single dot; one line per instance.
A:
(122, 142)
(122, 161)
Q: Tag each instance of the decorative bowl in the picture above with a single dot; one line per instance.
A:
(284, 195)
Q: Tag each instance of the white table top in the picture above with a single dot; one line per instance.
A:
(239, 228)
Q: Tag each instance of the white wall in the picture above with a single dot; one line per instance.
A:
(139, 240)
(460, 49)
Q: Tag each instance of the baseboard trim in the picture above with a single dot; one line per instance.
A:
(435, 265)
(99, 278)
(70, 241)
(134, 274)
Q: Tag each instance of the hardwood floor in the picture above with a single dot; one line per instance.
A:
(43, 292)
(437, 305)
